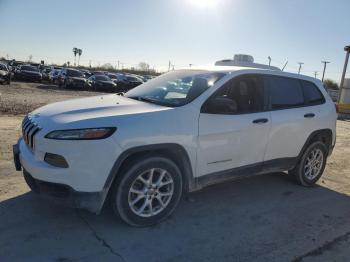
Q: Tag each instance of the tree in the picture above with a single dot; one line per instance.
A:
(143, 66)
(107, 66)
(75, 52)
(330, 84)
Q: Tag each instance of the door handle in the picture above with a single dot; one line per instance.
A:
(260, 121)
(309, 115)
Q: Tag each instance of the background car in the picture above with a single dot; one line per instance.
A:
(28, 72)
(127, 82)
(5, 74)
(71, 78)
(101, 83)
(45, 73)
(53, 76)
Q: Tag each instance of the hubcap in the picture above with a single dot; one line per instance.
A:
(313, 164)
(151, 192)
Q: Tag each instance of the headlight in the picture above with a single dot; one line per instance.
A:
(82, 134)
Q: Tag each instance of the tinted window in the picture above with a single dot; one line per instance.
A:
(102, 78)
(29, 68)
(312, 95)
(285, 92)
(74, 73)
(247, 92)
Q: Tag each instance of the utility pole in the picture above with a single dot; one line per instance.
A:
(118, 64)
(300, 64)
(347, 50)
(169, 65)
(324, 68)
(190, 65)
(316, 73)
(269, 57)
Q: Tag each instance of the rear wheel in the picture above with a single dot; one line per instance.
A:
(148, 191)
(311, 165)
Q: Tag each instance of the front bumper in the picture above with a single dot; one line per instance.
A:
(60, 193)
(65, 195)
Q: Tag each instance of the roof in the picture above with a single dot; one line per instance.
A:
(233, 69)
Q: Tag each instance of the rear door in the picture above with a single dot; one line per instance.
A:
(234, 139)
(290, 119)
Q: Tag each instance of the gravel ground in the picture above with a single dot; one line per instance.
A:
(21, 97)
(264, 218)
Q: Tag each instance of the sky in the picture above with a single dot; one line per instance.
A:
(197, 32)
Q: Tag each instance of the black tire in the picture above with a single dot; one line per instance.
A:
(299, 171)
(120, 192)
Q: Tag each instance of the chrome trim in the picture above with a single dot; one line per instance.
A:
(29, 130)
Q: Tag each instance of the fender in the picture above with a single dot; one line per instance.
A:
(176, 151)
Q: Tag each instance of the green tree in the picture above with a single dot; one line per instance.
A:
(330, 84)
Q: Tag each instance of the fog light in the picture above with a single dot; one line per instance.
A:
(55, 160)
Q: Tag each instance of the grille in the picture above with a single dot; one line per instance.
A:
(29, 129)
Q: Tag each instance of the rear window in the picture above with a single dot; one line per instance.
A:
(285, 92)
(313, 95)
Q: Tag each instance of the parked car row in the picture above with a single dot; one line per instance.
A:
(73, 78)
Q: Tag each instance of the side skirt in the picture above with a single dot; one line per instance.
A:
(270, 166)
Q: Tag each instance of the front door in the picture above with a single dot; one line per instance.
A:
(237, 139)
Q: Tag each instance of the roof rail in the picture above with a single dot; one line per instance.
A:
(244, 61)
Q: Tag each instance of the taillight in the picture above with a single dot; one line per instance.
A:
(336, 108)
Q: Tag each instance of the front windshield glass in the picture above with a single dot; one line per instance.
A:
(102, 78)
(74, 73)
(29, 68)
(175, 88)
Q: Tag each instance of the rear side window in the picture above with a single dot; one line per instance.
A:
(313, 95)
(285, 92)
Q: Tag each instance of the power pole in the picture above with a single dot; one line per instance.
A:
(269, 57)
(118, 64)
(300, 64)
(316, 73)
(169, 65)
(190, 65)
(347, 50)
(324, 68)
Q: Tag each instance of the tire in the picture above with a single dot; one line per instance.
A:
(140, 214)
(302, 172)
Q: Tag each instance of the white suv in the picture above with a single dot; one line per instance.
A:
(174, 134)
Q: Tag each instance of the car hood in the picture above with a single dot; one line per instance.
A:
(90, 111)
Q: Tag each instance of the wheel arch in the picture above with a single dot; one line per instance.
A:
(323, 135)
(173, 151)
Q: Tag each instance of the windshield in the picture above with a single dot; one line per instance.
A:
(102, 78)
(175, 88)
(29, 68)
(74, 73)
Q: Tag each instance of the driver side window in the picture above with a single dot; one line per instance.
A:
(241, 95)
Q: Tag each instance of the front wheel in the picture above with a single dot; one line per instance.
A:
(311, 165)
(148, 191)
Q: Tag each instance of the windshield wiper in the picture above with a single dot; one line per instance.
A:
(150, 100)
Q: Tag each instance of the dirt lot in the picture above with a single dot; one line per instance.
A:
(265, 218)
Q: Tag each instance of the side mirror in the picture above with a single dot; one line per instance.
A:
(220, 105)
